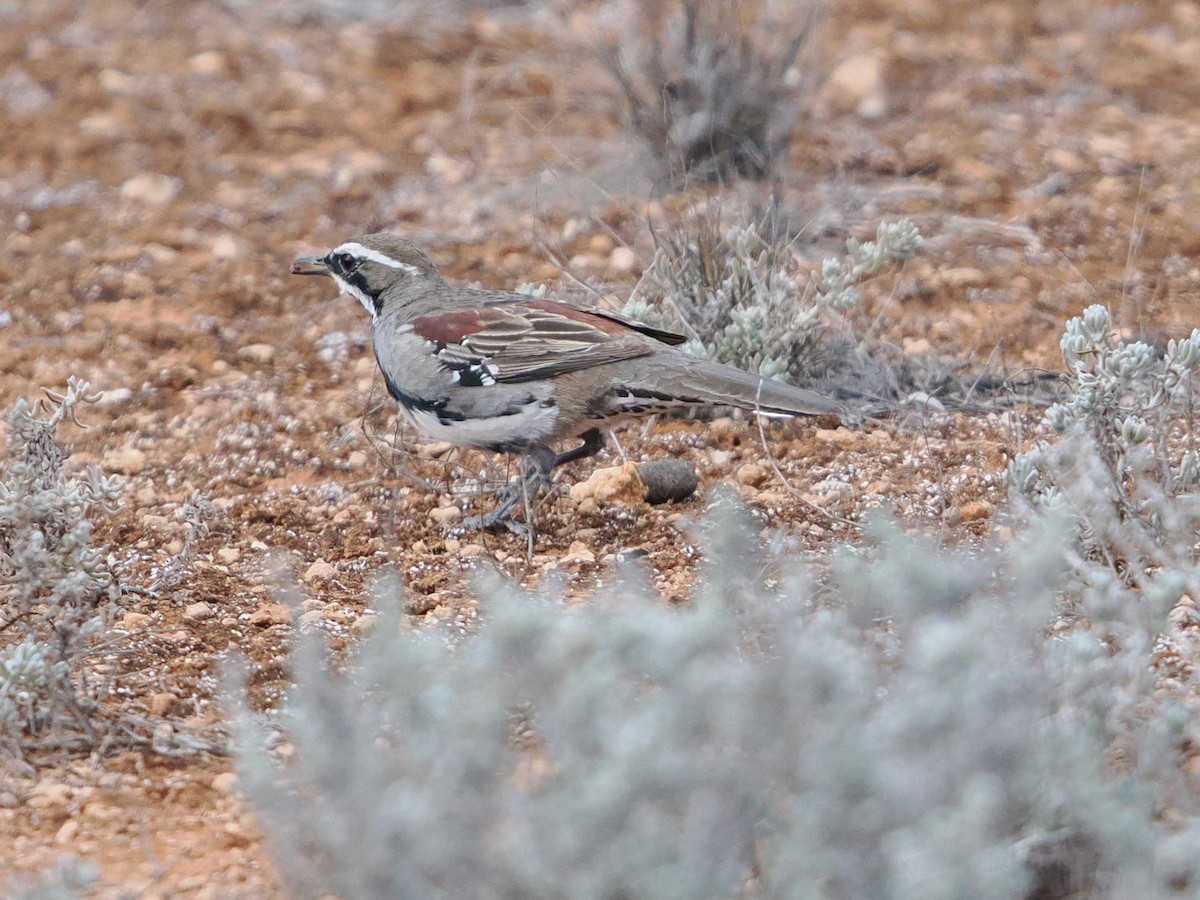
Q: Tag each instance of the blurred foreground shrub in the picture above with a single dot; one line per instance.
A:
(67, 880)
(904, 730)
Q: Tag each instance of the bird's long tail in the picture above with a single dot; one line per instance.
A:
(706, 383)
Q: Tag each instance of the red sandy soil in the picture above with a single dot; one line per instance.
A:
(159, 170)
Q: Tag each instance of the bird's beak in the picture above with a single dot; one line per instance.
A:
(310, 265)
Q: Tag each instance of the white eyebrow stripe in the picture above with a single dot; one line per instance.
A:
(356, 249)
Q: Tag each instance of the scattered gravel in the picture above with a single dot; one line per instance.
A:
(153, 191)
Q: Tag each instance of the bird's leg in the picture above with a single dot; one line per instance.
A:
(593, 443)
(536, 475)
(542, 461)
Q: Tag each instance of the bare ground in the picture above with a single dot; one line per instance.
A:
(161, 164)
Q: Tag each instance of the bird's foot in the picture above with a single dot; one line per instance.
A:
(499, 518)
(512, 496)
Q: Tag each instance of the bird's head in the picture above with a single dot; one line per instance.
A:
(373, 267)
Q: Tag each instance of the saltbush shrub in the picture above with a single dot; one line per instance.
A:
(744, 298)
(1126, 469)
(57, 589)
(901, 728)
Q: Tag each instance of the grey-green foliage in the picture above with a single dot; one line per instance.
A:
(1125, 470)
(907, 731)
(55, 584)
(196, 512)
(744, 299)
(68, 880)
(1114, 384)
(894, 241)
(537, 291)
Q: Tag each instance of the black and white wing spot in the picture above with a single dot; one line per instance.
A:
(479, 374)
(467, 368)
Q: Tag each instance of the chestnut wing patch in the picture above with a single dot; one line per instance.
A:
(521, 342)
(659, 334)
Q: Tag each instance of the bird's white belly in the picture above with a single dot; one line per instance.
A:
(532, 423)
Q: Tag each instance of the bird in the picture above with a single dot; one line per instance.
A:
(516, 374)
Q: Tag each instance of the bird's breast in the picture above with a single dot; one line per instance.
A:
(444, 404)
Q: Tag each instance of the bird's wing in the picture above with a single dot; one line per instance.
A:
(659, 334)
(509, 298)
(514, 342)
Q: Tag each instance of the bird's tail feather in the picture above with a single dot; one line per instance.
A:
(707, 383)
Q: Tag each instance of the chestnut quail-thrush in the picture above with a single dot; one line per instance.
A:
(511, 373)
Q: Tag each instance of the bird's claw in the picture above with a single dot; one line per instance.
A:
(512, 495)
(494, 521)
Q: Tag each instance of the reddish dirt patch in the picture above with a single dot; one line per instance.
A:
(159, 171)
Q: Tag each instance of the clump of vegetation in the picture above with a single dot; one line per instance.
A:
(715, 89)
(914, 733)
(197, 513)
(60, 590)
(745, 299)
(1127, 468)
(56, 587)
(68, 880)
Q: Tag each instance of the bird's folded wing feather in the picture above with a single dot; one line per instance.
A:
(659, 334)
(521, 342)
(500, 299)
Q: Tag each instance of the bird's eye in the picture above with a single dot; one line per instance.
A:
(347, 262)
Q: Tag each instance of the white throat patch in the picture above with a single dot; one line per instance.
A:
(367, 302)
(356, 249)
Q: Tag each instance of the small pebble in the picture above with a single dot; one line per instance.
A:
(226, 246)
(319, 571)
(271, 614)
(162, 703)
(210, 62)
(151, 189)
(843, 437)
(751, 473)
(445, 515)
(199, 612)
(259, 354)
(124, 460)
(67, 833)
(973, 512)
(311, 617)
(578, 554)
(668, 480)
(605, 485)
(623, 259)
(135, 621)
